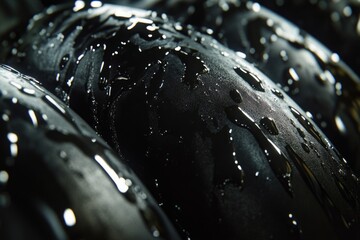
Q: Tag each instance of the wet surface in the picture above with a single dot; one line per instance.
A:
(205, 130)
(312, 75)
(55, 170)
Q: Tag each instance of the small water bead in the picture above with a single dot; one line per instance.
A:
(291, 79)
(5, 117)
(253, 6)
(335, 58)
(96, 4)
(69, 217)
(63, 155)
(28, 91)
(33, 117)
(22, 89)
(273, 38)
(269, 125)
(294, 225)
(262, 40)
(13, 139)
(4, 177)
(305, 147)
(78, 5)
(209, 31)
(338, 89)
(70, 82)
(236, 96)
(284, 56)
(65, 59)
(277, 93)
(340, 124)
(241, 54)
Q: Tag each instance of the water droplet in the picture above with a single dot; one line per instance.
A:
(250, 78)
(4, 177)
(294, 225)
(308, 126)
(277, 93)
(305, 147)
(227, 169)
(63, 155)
(291, 79)
(277, 160)
(236, 96)
(340, 124)
(64, 60)
(269, 125)
(12, 137)
(28, 91)
(79, 4)
(33, 117)
(96, 4)
(69, 217)
(335, 57)
(319, 191)
(284, 56)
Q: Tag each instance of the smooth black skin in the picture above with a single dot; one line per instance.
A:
(326, 21)
(54, 168)
(241, 28)
(170, 115)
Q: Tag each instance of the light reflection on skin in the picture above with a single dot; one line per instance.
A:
(120, 182)
(4, 177)
(340, 124)
(69, 217)
(13, 138)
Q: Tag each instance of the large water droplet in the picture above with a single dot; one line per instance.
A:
(250, 78)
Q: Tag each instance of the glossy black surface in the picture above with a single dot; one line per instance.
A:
(219, 145)
(335, 23)
(59, 180)
(313, 76)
